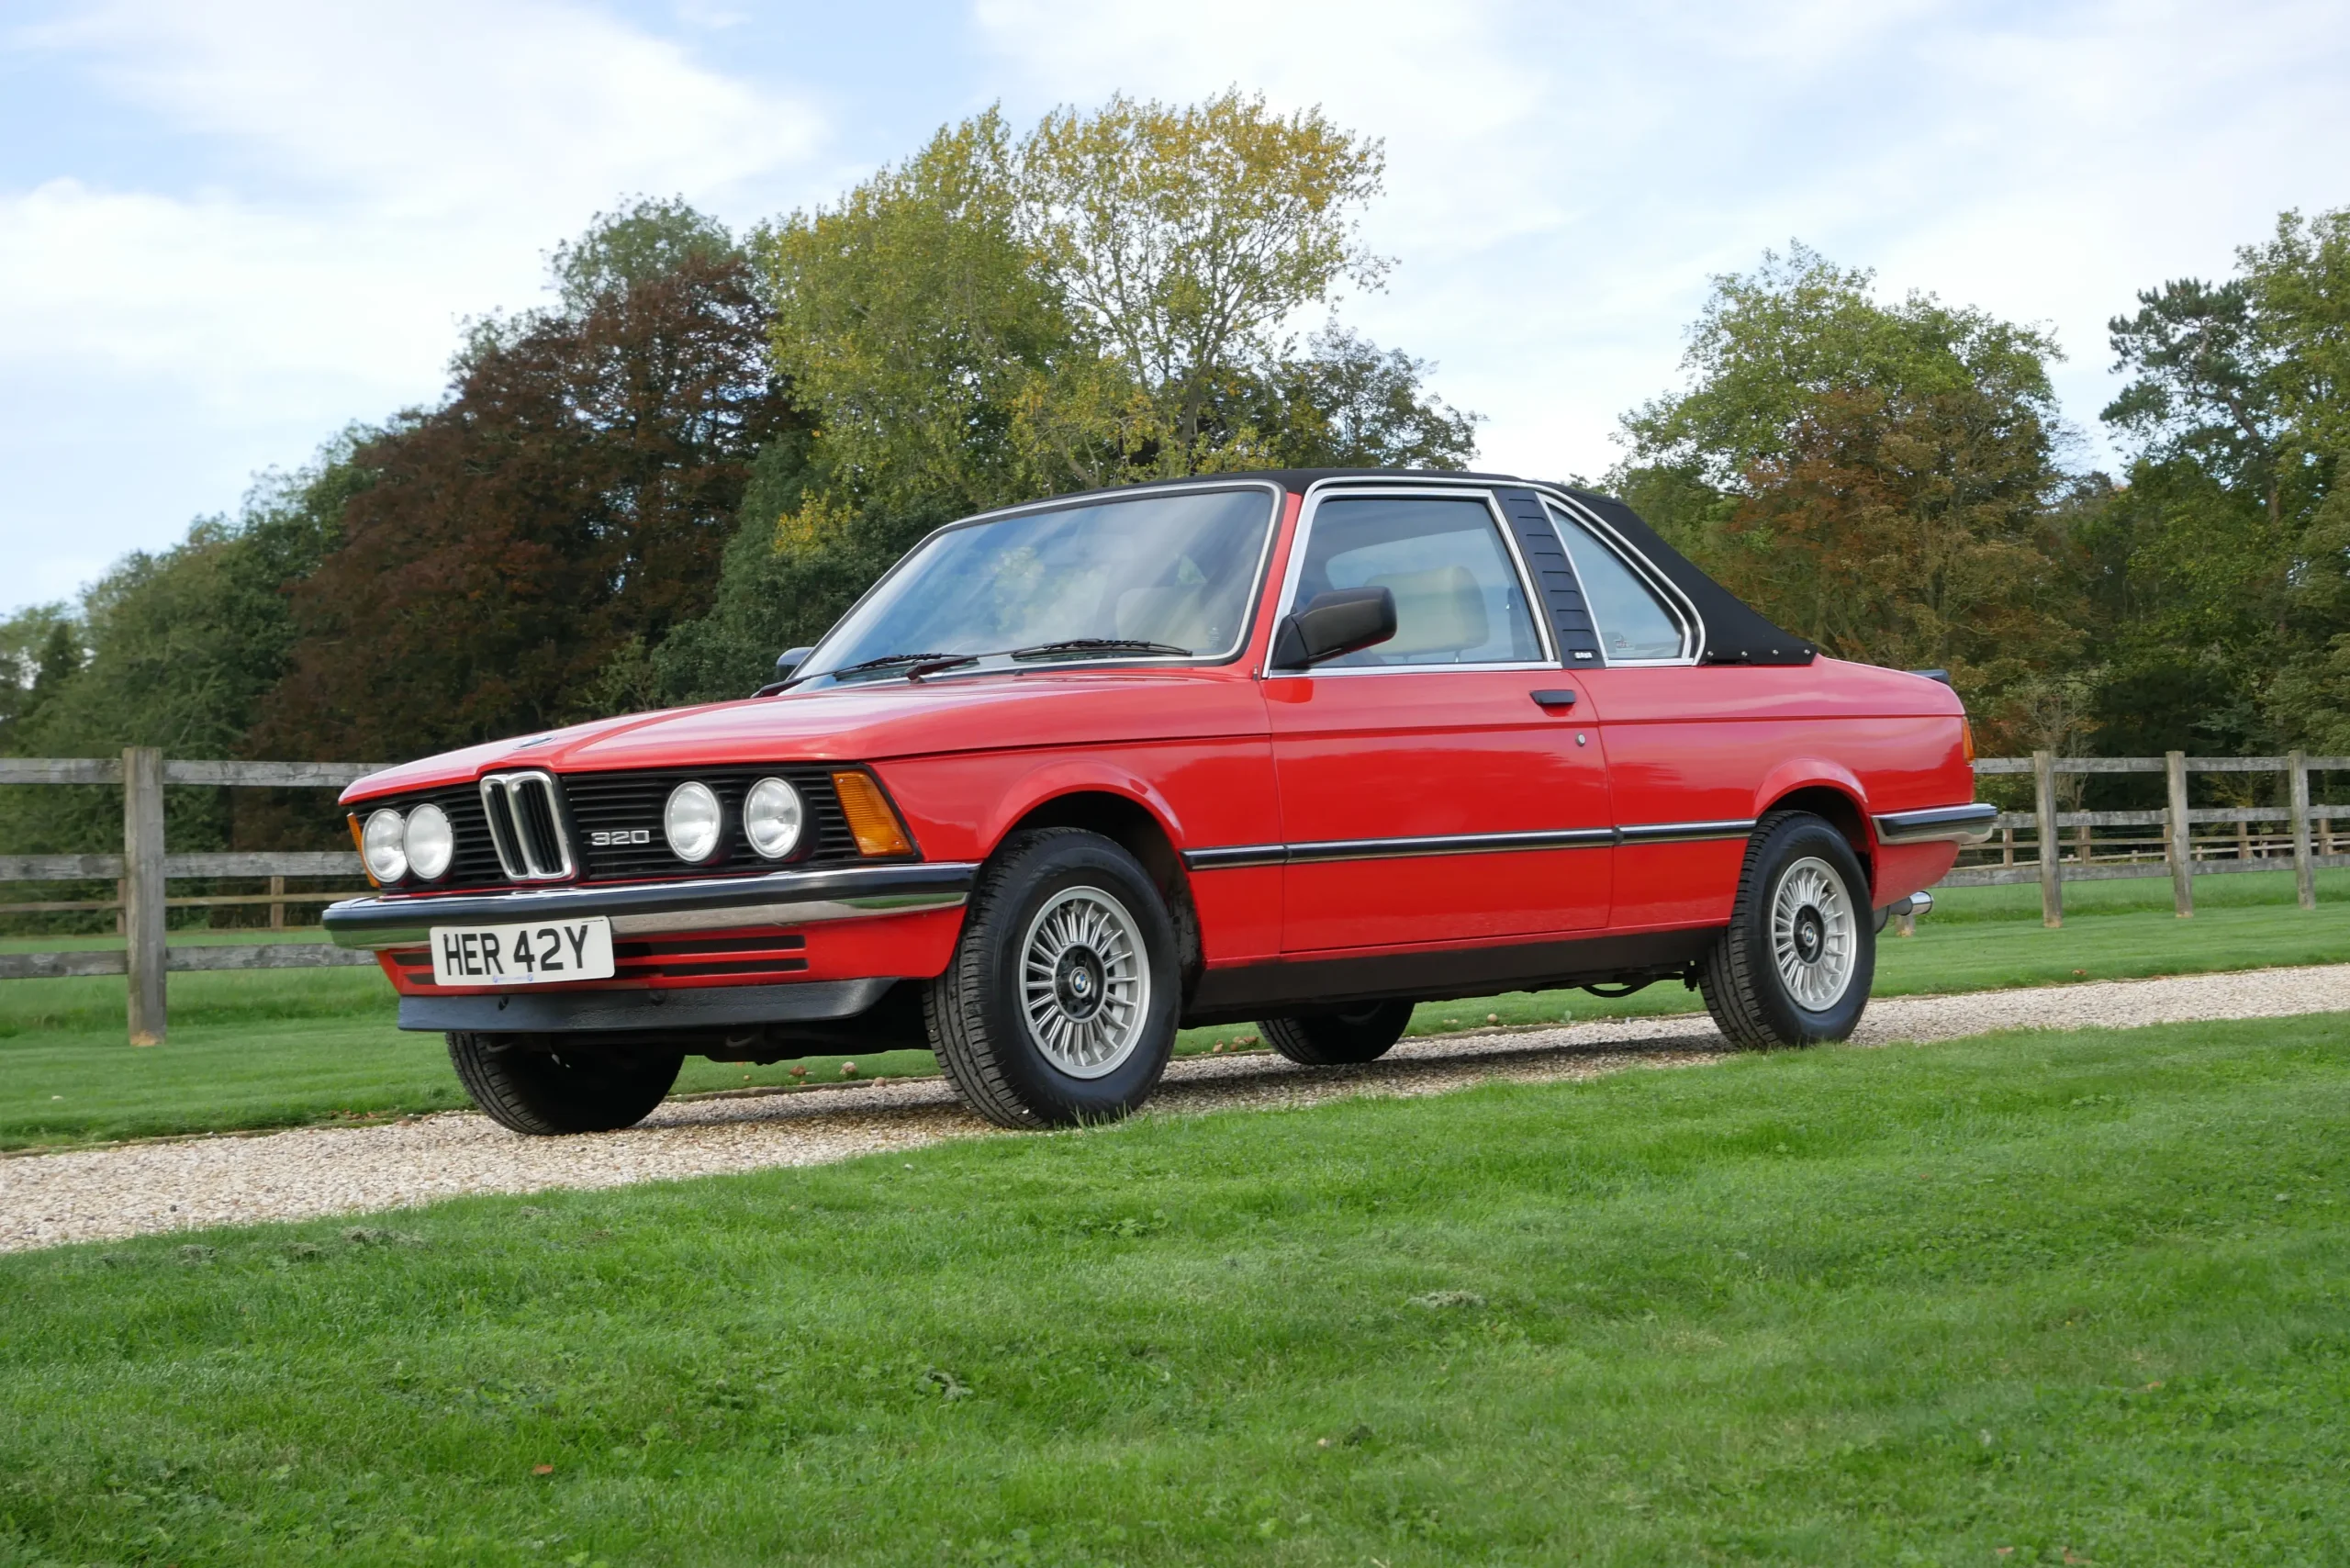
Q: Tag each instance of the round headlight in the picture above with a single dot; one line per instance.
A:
(772, 816)
(691, 822)
(380, 846)
(431, 844)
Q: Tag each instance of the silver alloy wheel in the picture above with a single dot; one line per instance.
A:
(1814, 934)
(1085, 983)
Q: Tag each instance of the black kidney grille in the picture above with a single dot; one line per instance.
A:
(631, 802)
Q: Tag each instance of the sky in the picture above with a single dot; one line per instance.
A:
(229, 230)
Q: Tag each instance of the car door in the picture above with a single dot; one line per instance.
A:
(1442, 786)
(1682, 766)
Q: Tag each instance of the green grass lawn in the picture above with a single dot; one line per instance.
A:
(278, 1048)
(2021, 1299)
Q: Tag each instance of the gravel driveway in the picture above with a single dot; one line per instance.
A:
(101, 1193)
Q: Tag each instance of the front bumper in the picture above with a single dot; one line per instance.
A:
(636, 908)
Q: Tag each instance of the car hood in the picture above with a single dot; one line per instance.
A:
(869, 723)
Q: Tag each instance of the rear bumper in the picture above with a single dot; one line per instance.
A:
(637, 908)
(1939, 825)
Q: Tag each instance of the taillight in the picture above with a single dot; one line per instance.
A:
(1966, 738)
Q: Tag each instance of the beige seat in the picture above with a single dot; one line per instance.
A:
(1441, 612)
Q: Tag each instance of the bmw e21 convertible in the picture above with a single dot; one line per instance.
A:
(1299, 748)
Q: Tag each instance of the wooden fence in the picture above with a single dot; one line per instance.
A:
(140, 873)
(2307, 842)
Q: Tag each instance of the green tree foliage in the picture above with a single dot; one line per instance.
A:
(1881, 478)
(40, 651)
(1184, 240)
(177, 650)
(2224, 559)
(569, 502)
(1104, 300)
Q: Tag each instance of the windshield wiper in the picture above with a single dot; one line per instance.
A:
(1096, 645)
(913, 664)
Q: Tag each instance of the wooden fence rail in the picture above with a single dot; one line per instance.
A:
(142, 871)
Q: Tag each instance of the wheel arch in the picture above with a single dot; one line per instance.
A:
(1838, 802)
(1129, 821)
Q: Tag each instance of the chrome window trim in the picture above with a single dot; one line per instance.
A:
(1273, 488)
(1295, 567)
(505, 783)
(1677, 603)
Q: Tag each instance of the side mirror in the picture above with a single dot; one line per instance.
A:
(1332, 623)
(785, 663)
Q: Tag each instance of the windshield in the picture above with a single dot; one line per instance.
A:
(1157, 576)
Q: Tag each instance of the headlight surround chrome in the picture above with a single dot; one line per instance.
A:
(382, 844)
(773, 818)
(691, 822)
(430, 841)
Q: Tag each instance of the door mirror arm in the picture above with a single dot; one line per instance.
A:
(1341, 622)
(785, 663)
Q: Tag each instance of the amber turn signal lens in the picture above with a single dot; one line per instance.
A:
(869, 816)
(359, 842)
(1966, 739)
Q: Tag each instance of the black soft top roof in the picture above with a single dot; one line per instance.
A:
(1736, 633)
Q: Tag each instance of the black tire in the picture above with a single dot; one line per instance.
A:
(1752, 1000)
(575, 1088)
(1339, 1039)
(976, 1010)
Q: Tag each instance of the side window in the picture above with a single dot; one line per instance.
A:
(1459, 599)
(1633, 622)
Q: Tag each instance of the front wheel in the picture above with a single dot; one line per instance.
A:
(1796, 964)
(1060, 1003)
(546, 1085)
(1332, 1039)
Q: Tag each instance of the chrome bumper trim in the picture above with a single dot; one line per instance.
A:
(1939, 825)
(637, 908)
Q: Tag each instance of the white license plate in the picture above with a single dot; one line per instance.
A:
(541, 953)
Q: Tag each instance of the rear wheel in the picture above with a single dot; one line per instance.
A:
(1334, 1039)
(1060, 1003)
(519, 1083)
(1795, 964)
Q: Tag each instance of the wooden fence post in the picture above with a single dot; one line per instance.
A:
(2051, 886)
(2297, 767)
(276, 911)
(142, 864)
(2182, 867)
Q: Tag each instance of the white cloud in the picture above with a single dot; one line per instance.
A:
(1564, 180)
(441, 105)
(335, 189)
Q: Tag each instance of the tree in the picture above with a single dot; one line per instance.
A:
(41, 650)
(571, 499)
(1184, 241)
(2227, 550)
(1879, 478)
(176, 649)
(1104, 300)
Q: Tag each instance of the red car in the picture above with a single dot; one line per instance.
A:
(1300, 748)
